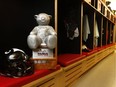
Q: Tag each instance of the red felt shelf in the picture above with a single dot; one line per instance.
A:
(18, 82)
(90, 53)
(67, 59)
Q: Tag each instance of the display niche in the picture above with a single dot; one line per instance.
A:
(17, 20)
(104, 32)
(99, 20)
(69, 26)
(88, 26)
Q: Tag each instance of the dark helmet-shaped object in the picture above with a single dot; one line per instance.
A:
(15, 63)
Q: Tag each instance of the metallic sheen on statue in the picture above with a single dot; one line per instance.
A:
(43, 35)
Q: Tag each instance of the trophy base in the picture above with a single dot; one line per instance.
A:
(44, 63)
(44, 59)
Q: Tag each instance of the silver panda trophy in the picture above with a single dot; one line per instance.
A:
(43, 38)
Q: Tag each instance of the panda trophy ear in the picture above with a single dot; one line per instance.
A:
(50, 16)
(35, 16)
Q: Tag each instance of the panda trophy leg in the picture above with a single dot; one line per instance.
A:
(33, 41)
(51, 41)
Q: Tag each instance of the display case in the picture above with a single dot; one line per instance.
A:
(77, 23)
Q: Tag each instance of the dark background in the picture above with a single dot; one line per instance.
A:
(17, 20)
